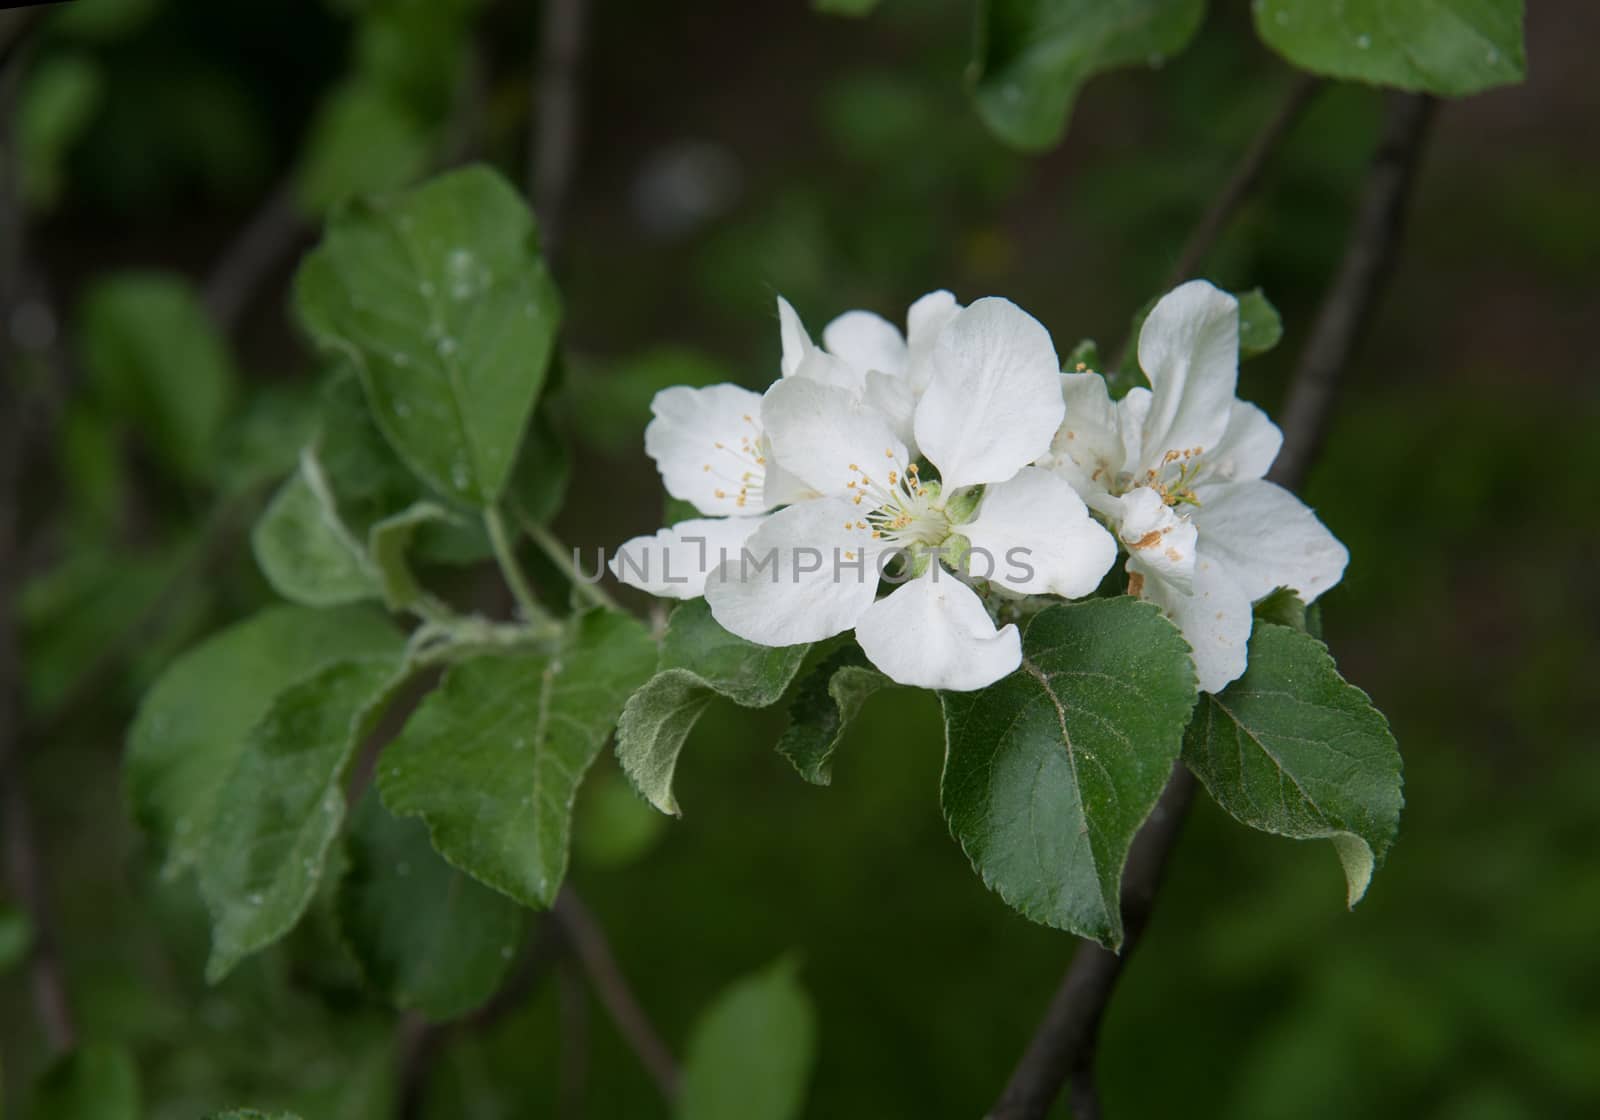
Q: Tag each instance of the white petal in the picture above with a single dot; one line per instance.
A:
(1189, 349)
(1038, 537)
(683, 439)
(792, 334)
(1214, 616)
(1087, 448)
(675, 561)
(866, 341)
(801, 577)
(995, 398)
(1267, 538)
(1154, 533)
(1247, 447)
(924, 321)
(822, 433)
(932, 632)
(892, 398)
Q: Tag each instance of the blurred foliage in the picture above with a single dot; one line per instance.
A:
(1457, 474)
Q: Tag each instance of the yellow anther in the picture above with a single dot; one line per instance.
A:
(854, 467)
(722, 493)
(858, 499)
(888, 453)
(706, 467)
(1082, 367)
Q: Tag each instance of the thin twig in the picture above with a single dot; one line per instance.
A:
(559, 555)
(589, 942)
(260, 246)
(505, 555)
(1348, 305)
(24, 861)
(553, 145)
(1059, 1046)
(1239, 187)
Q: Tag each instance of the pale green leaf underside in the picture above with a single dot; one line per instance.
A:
(1260, 325)
(1050, 772)
(1292, 749)
(192, 723)
(1034, 55)
(750, 1054)
(284, 803)
(493, 758)
(304, 548)
(1450, 47)
(699, 661)
(439, 298)
(426, 935)
(827, 700)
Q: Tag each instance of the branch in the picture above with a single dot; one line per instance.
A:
(24, 863)
(589, 942)
(1244, 180)
(552, 148)
(1347, 307)
(1063, 1043)
(1240, 185)
(259, 247)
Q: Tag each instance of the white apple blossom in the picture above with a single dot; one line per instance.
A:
(1178, 471)
(989, 404)
(711, 450)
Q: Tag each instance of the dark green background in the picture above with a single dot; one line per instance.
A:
(845, 169)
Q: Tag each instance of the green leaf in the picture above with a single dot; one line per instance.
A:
(251, 1114)
(364, 140)
(439, 298)
(94, 1082)
(1450, 47)
(699, 661)
(1034, 55)
(62, 94)
(154, 356)
(1282, 607)
(192, 724)
(493, 758)
(1050, 772)
(750, 1055)
(283, 805)
(1260, 325)
(305, 549)
(425, 934)
(828, 698)
(387, 542)
(1292, 749)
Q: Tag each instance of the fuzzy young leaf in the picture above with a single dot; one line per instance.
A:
(699, 662)
(1034, 55)
(492, 759)
(94, 1082)
(425, 934)
(1450, 47)
(439, 298)
(305, 549)
(283, 805)
(192, 724)
(1292, 749)
(387, 542)
(827, 700)
(1050, 772)
(1260, 325)
(751, 1053)
(154, 356)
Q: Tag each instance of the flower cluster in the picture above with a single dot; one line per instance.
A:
(957, 468)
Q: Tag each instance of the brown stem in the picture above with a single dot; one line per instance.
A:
(1063, 1043)
(1348, 305)
(18, 438)
(1239, 187)
(259, 247)
(553, 147)
(589, 942)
